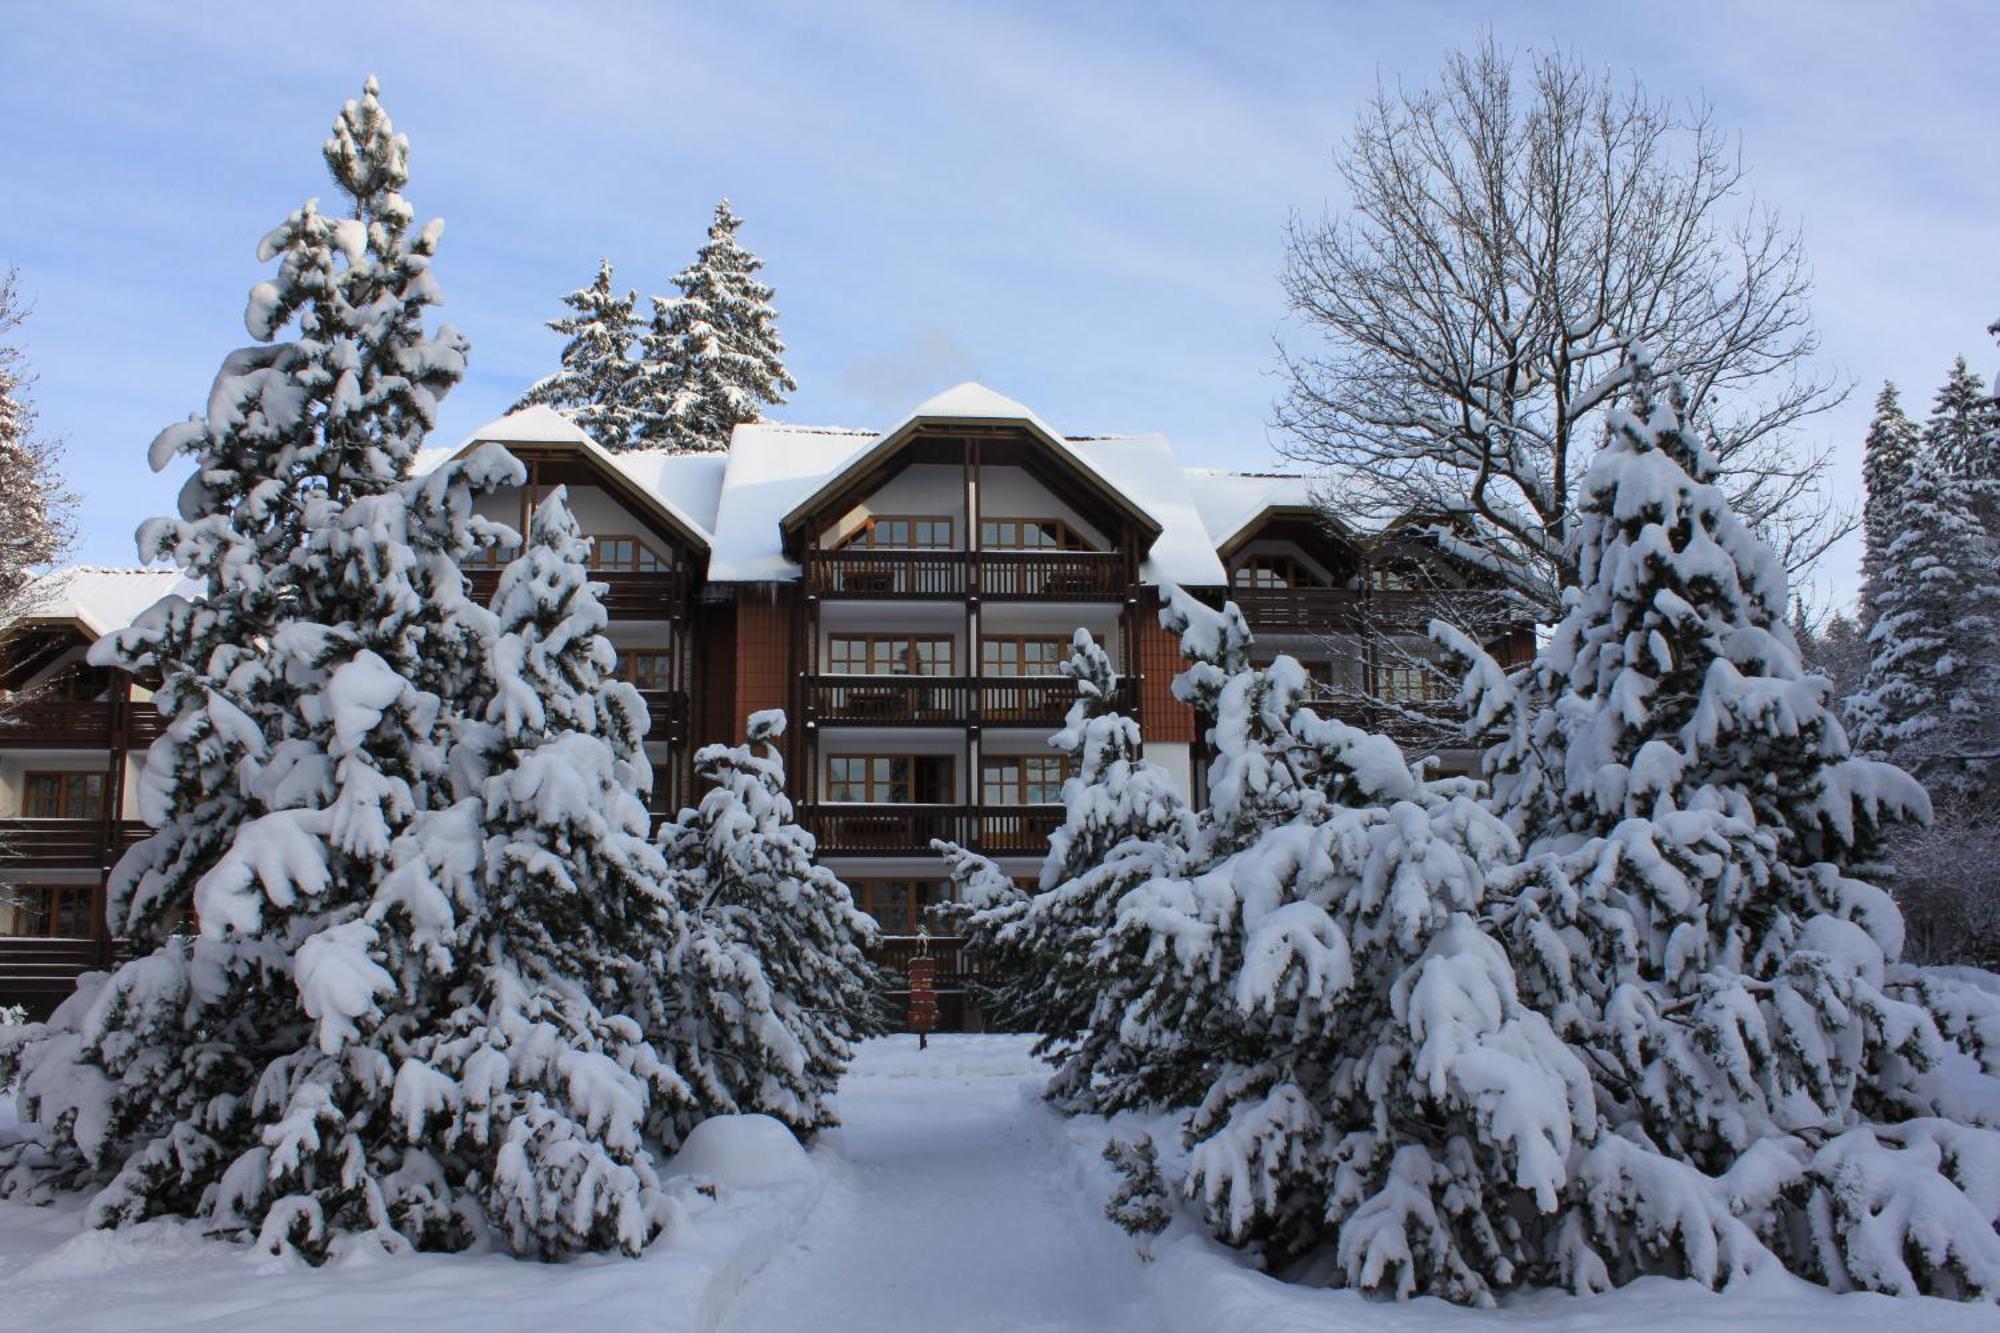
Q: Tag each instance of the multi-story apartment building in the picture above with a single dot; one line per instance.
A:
(905, 597)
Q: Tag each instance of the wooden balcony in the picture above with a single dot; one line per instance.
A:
(66, 844)
(946, 701)
(660, 594)
(96, 724)
(669, 712)
(907, 830)
(1063, 576)
(39, 974)
(1056, 576)
(1301, 610)
(889, 701)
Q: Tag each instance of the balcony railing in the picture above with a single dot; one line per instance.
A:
(889, 700)
(1303, 610)
(652, 594)
(998, 575)
(1019, 701)
(668, 711)
(66, 844)
(96, 724)
(907, 830)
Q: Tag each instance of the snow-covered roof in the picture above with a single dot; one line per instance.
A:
(100, 598)
(663, 480)
(1143, 468)
(1230, 502)
(772, 468)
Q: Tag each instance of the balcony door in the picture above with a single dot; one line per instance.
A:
(63, 796)
(890, 779)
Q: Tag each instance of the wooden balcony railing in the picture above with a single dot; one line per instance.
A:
(889, 700)
(66, 844)
(96, 724)
(669, 713)
(1019, 701)
(907, 830)
(39, 974)
(1061, 576)
(1301, 610)
(653, 594)
(998, 575)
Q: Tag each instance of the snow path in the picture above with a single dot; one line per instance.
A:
(949, 1204)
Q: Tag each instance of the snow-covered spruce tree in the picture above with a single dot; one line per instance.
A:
(769, 984)
(1125, 822)
(593, 388)
(1931, 699)
(311, 796)
(1962, 416)
(1766, 1077)
(1889, 452)
(531, 1085)
(711, 354)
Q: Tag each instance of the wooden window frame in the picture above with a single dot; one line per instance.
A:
(1018, 781)
(1068, 538)
(641, 546)
(925, 895)
(1020, 643)
(628, 664)
(63, 799)
(1392, 685)
(881, 790)
(72, 904)
(863, 537)
(875, 641)
(1279, 562)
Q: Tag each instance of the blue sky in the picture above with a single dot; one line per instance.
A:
(1080, 205)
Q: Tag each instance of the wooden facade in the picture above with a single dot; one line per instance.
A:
(919, 679)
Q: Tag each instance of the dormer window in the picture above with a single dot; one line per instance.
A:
(1270, 572)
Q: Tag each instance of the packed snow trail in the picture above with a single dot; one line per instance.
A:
(949, 1204)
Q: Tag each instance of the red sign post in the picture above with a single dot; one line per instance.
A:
(923, 998)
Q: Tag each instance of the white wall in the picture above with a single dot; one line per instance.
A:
(1177, 757)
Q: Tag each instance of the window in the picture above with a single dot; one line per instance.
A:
(46, 911)
(1403, 685)
(1037, 655)
(902, 532)
(1022, 780)
(1030, 534)
(626, 555)
(1270, 571)
(899, 906)
(63, 796)
(889, 779)
(888, 655)
(79, 683)
(647, 668)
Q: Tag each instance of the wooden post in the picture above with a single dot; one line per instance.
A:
(923, 994)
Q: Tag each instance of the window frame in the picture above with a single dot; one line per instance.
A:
(874, 780)
(1020, 642)
(924, 897)
(73, 904)
(595, 564)
(874, 642)
(628, 664)
(1068, 537)
(1017, 767)
(863, 537)
(64, 799)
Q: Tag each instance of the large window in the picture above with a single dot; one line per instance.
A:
(889, 779)
(1022, 780)
(1270, 571)
(899, 906)
(648, 668)
(889, 655)
(626, 555)
(1034, 655)
(1404, 685)
(45, 911)
(63, 796)
(904, 532)
(1030, 534)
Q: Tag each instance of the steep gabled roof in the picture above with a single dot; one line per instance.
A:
(973, 404)
(636, 477)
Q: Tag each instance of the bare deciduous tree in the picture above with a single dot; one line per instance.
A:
(35, 507)
(1508, 233)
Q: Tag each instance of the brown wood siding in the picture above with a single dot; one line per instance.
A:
(763, 666)
(1163, 717)
(714, 685)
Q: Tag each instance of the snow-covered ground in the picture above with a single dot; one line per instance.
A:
(949, 1199)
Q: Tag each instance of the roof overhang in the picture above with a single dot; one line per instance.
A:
(604, 471)
(846, 480)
